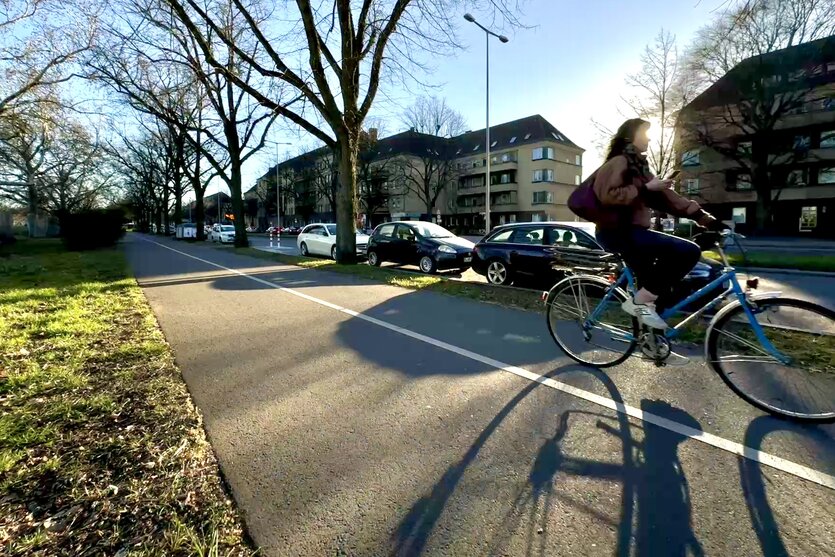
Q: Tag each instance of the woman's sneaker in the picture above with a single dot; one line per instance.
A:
(645, 313)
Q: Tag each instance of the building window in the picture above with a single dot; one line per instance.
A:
(513, 139)
(543, 197)
(527, 136)
(738, 215)
(578, 160)
(802, 142)
(476, 147)
(577, 180)
(546, 175)
(808, 218)
(743, 182)
(691, 186)
(512, 218)
(505, 179)
(557, 136)
(504, 157)
(826, 175)
(828, 140)
(536, 217)
(541, 153)
(691, 158)
(797, 178)
(494, 144)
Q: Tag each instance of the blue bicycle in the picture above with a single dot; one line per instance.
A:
(776, 353)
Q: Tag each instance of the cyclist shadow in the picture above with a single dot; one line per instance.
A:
(655, 495)
(754, 483)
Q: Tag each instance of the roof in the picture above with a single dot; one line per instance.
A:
(532, 129)
(729, 87)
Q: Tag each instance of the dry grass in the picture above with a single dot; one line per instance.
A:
(101, 449)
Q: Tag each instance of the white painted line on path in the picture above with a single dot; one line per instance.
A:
(733, 447)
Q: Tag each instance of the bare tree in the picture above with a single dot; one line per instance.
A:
(755, 27)
(373, 173)
(741, 121)
(433, 116)
(347, 44)
(40, 41)
(427, 167)
(658, 97)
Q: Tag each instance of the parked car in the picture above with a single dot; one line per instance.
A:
(223, 233)
(427, 245)
(273, 230)
(545, 251)
(320, 239)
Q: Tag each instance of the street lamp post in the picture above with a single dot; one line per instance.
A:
(487, 34)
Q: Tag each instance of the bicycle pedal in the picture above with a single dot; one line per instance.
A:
(677, 360)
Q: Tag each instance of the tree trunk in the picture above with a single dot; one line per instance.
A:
(763, 210)
(32, 202)
(346, 239)
(200, 213)
(235, 181)
(763, 188)
(166, 218)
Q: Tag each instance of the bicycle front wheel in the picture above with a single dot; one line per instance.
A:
(795, 376)
(585, 320)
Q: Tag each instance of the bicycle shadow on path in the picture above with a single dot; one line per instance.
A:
(655, 494)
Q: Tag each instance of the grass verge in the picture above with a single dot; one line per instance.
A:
(824, 263)
(101, 450)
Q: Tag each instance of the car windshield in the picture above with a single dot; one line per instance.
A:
(332, 230)
(429, 230)
(227, 228)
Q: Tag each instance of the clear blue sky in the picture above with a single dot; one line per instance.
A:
(569, 67)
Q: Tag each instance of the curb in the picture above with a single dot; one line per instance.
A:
(777, 271)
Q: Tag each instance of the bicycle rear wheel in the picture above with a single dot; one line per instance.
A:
(604, 342)
(801, 386)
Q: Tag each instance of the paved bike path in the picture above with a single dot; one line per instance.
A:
(336, 432)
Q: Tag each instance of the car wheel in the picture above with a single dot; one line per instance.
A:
(427, 264)
(374, 259)
(303, 249)
(498, 273)
(333, 253)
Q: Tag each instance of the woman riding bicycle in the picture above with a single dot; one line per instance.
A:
(627, 191)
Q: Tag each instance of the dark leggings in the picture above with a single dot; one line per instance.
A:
(656, 259)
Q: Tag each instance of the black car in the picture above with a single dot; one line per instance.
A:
(545, 251)
(427, 245)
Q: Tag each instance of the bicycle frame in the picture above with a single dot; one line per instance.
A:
(626, 279)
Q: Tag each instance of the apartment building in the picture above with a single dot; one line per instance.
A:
(411, 176)
(722, 145)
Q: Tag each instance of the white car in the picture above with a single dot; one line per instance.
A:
(223, 233)
(320, 239)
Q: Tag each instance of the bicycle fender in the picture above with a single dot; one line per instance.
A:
(591, 278)
(730, 307)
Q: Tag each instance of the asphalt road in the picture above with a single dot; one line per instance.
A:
(808, 287)
(353, 418)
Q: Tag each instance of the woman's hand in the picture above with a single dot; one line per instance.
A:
(659, 185)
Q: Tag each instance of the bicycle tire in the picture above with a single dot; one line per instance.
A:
(597, 282)
(712, 346)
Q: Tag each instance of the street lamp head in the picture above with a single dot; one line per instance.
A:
(503, 38)
(469, 17)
